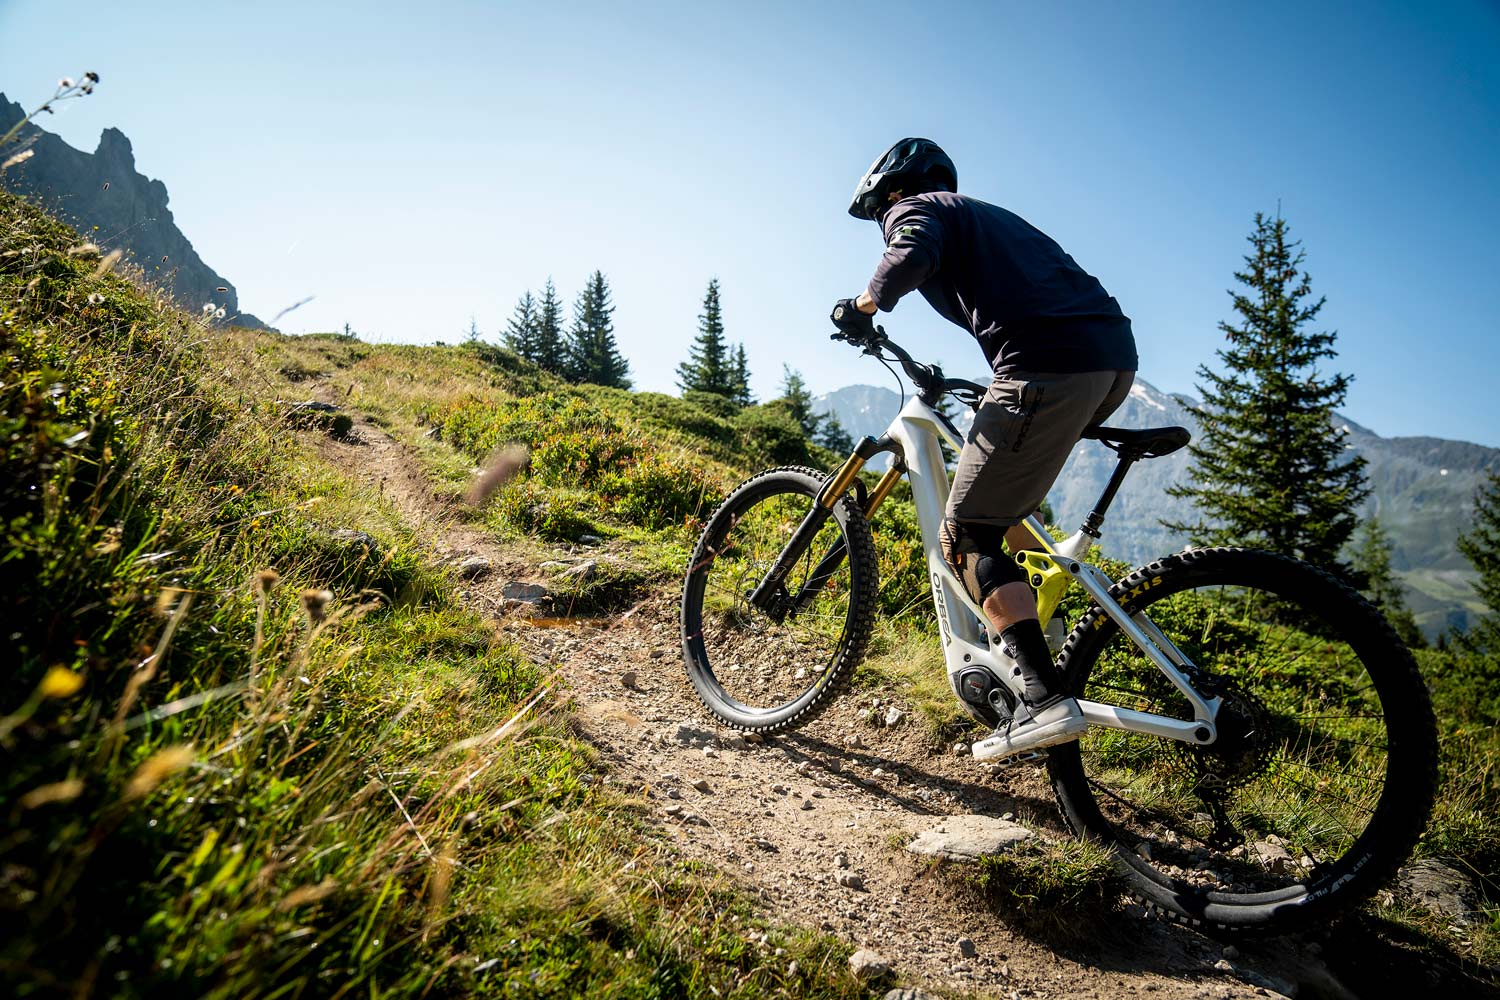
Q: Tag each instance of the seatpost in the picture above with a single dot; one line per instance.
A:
(1095, 520)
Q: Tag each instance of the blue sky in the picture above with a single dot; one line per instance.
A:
(412, 165)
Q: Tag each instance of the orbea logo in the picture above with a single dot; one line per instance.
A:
(942, 607)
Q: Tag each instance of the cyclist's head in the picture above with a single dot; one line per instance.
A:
(910, 167)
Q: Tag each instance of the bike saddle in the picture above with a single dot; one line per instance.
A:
(1150, 442)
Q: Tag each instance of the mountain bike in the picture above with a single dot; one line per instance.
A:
(1261, 751)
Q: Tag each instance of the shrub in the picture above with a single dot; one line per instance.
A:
(770, 435)
(660, 492)
(553, 514)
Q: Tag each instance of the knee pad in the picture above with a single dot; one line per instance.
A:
(976, 554)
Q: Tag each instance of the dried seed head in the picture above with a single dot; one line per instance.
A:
(20, 157)
(95, 298)
(500, 468)
(60, 791)
(266, 581)
(91, 76)
(208, 307)
(315, 603)
(157, 768)
(219, 313)
(110, 259)
(84, 251)
(65, 83)
(166, 601)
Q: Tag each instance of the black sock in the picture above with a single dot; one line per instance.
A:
(1034, 665)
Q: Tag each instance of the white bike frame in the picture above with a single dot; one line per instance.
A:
(918, 430)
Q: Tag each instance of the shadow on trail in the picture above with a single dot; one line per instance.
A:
(975, 797)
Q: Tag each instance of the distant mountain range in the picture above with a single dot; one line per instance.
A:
(105, 198)
(1423, 491)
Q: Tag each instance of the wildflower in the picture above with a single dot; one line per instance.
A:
(157, 768)
(315, 603)
(60, 682)
(209, 307)
(95, 298)
(219, 313)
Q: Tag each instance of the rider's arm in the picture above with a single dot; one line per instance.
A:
(913, 237)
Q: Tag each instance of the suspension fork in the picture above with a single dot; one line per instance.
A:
(834, 557)
(770, 595)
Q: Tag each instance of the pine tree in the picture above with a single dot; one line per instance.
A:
(709, 368)
(1269, 467)
(741, 378)
(592, 355)
(833, 436)
(799, 400)
(1371, 560)
(472, 335)
(1481, 546)
(521, 330)
(550, 351)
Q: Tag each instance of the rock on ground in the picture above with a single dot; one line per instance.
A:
(866, 964)
(969, 838)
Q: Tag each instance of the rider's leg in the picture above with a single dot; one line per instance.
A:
(977, 556)
(1021, 436)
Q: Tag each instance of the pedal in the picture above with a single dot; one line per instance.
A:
(1024, 757)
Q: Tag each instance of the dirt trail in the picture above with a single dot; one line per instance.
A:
(785, 817)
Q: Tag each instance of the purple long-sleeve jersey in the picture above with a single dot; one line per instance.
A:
(1026, 301)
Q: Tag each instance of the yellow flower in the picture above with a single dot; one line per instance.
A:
(60, 682)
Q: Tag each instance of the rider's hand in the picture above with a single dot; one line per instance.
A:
(853, 322)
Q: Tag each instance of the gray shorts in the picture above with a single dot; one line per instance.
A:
(1022, 435)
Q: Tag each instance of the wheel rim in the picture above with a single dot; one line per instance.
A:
(749, 662)
(1285, 800)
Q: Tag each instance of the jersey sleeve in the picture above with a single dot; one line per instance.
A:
(913, 252)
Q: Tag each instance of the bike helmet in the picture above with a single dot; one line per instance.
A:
(911, 166)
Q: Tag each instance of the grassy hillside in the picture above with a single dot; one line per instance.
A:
(257, 744)
(252, 753)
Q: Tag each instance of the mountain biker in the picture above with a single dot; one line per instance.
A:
(1063, 358)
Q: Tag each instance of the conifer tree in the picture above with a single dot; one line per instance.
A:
(521, 330)
(550, 350)
(1269, 467)
(799, 400)
(592, 355)
(740, 380)
(1371, 560)
(709, 368)
(832, 434)
(1481, 546)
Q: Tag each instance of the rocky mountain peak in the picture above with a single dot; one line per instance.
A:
(104, 196)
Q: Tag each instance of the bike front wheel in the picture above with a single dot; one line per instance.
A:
(1323, 772)
(751, 670)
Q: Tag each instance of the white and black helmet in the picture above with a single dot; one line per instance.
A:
(911, 166)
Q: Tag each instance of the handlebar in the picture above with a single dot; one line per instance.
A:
(929, 380)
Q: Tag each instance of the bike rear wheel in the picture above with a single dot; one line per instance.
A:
(1323, 773)
(751, 671)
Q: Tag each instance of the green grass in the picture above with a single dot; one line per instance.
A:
(1061, 892)
(249, 755)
